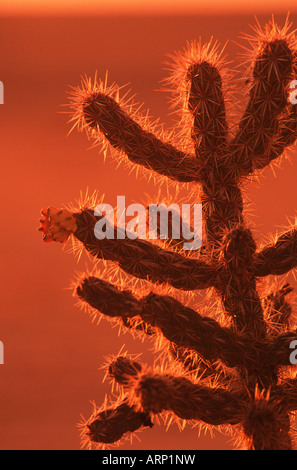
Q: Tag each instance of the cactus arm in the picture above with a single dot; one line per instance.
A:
(221, 197)
(114, 303)
(109, 425)
(252, 146)
(104, 115)
(143, 259)
(287, 134)
(179, 324)
(280, 349)
(278, 308)
(153, 393)
(206, 104)
(279, 257)
(266, 425)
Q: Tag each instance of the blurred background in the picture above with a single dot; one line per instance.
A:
(52, 350)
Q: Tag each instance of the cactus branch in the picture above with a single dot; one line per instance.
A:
(287, 134)
(154, 393)
(143, 259)
(206, 104)
(278, 307)
(104, 115)
(177, 322)
(272, 71)
(111, 424)
(279, 257)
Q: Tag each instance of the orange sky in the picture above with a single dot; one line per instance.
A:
(52, 349)
(35, 7)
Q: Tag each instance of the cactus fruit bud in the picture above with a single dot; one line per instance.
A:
(57, 224)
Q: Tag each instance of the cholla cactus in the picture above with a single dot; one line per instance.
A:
(233, 371)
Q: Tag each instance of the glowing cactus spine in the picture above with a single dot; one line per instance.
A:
(236, 371)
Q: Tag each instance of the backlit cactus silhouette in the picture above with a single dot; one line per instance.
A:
(234, 371)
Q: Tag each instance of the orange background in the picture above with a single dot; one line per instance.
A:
(52, 350)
